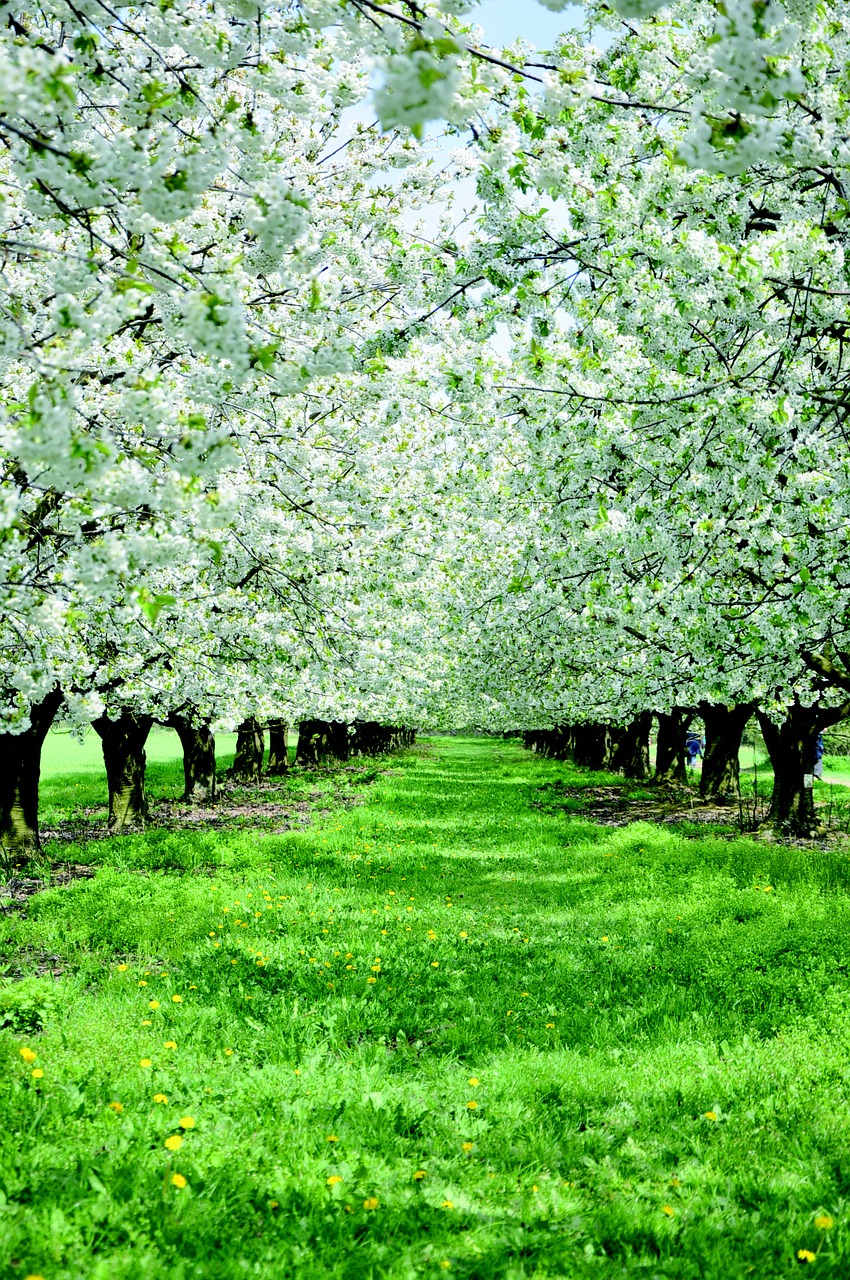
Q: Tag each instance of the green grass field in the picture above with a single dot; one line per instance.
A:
(444, 1032)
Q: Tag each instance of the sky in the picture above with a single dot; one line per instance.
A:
(504, 21)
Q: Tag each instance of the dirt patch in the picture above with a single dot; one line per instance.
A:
(617, 806)
(17, 891)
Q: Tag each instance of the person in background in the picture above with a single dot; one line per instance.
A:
(693, 746)
(818, 769)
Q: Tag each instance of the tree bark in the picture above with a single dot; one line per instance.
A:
(198, 745)
(631, 753)
(278, 748)
(670, 763)
(123, 743)
(250, 747)
(724, 727)
(20, 769)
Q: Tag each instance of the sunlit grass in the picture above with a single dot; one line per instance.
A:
(656, 1026)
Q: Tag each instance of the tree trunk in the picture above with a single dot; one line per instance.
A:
(670, 763)
(723, 729)
(278, 748)
(592, 746)
(198, 745)
(631, 754)
(123, 743)
(791, 747)
(250, 746)
(320, 740)
(20, 768)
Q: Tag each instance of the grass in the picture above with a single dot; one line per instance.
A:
(446, 1032)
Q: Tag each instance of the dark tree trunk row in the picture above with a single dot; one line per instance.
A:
(198, 746)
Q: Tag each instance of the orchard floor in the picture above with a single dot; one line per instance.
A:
(446, 1031)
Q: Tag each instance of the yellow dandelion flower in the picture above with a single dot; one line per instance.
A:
(177, 1180)
(211, 933)
(371, 980)
(435, 964)
(376, 968)
(174, 1143)
(142, 983)
(674, 1182)
(467, 1146)
(806, 1255)
(160, 1097)
(445, 1264)
(420, 1174)
(34, 1277)
(117, 1107)
(228, 1052)
(122, 968)
(144, 1062)
(170, 1044)
(447, 1204)
(668, 1209)
(153, 1004)
(332, 1137)
(193, 986)
(605, 937)
(176, 999)
(432, 933)
(334, 1180)
(710, 1115)
(37, 1074)
(371, 1202)
(146, 1022)
(525, 993)
(824, 1222)
(550, 1026)
(274, 1204)
(473, 1081)
(472, 1105)
(28, 1055)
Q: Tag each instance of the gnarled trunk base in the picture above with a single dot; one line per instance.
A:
(724, 727)
(670, 765)
(198, 743)
(250, 747)
(631, 752)
(278, 749)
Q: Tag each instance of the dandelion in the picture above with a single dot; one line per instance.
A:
(117, 1107)
(146, 1022)
(193, 986)
(334, 1179)
(160, 1097)
(174, 1143)
(473, 1081)
(445, 1264)
(33, 1277)
(170, 1044)
(432, 933)
(228, 1052)
(176, 999)
(144, 1062)
(710, 1115)
(122, 968)
(178, 1181)
(806, 1255)
(605, 937)
(824, 1222)
(371, 1202)
(447, 1204)
(472, 1105)
(332, 1137)
(186, 1122)
(371, 980)
(435, 964)
(467, 1146)
(674, 1182)
(142, 983)
(153, 1004)
(668, 1209)
(550, 1026)
(525, 993)
(28, 1055)
(37, 1074)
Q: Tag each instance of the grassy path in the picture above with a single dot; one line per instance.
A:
(449, 1031)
